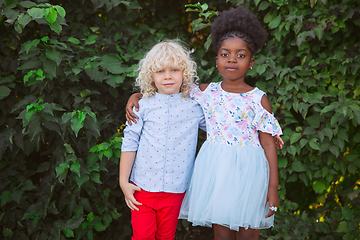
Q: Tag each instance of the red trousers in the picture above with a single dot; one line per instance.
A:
(157, 218)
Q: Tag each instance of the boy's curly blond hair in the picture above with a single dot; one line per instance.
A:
(168, 53)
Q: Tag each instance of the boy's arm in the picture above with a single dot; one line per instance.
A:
(126, 163)
(132, 102)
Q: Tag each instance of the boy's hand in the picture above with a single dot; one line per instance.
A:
(273, 199)
(132, 102)
(278, 142)
(128, 190)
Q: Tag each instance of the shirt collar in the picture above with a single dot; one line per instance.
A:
(160, 96)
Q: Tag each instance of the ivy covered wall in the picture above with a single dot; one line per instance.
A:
(67, 70)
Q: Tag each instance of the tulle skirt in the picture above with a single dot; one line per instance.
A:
(228, 187)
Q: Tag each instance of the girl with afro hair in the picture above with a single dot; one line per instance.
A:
(234, 186)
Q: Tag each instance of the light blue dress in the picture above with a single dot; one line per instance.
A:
(231, 173)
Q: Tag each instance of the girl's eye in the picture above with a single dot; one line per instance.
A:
(175, 70)
(240, 55)
(224, 55)
(159, 71)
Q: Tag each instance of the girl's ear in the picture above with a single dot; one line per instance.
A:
(251, 64)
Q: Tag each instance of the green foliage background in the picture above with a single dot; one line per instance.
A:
(66, 72)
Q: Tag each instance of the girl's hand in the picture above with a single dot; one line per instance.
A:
(273, 199)
(132, 102)
(128, 190)
(278, 142)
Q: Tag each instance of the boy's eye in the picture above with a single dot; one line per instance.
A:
(159, 71)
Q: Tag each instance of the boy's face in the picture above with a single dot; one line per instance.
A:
(168, 80)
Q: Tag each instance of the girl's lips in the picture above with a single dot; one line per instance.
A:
(231, 69)
(168, 84)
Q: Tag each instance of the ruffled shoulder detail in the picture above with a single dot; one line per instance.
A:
(266, 122)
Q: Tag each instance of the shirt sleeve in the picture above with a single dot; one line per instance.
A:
(266, 122)
(132, 133)
(202, 123)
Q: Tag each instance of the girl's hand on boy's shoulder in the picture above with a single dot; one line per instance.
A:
(128, 190)
(132, 102)
(273, 199)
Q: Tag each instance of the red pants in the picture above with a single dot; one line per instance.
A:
(157, 218)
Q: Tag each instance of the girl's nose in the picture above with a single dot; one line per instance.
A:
(231, 60)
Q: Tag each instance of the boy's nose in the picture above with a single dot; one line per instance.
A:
(167, 75)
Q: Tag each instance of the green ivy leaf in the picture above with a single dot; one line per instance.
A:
(54, 55)
(56, 27)
(314, 144)
(297, 166)
(77, 122)
(292, 150)
(80, 180)
(4, 92)
(318, 186)
(24, 20)
(303, 142)
(75, 168)
(260, 69)
(95, 177)
(74, 223)
(68, 232)
(10, 3)
(73, 40)
(343, 227)
(50, 15)
(27, 4)
(61, 169)
(60, 10)
(99, 227)
(275, 22)
(6, 196)
(295, 137)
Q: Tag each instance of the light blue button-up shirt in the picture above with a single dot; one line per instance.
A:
(165, 138)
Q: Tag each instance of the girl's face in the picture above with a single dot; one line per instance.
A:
(168, 80)
(234, 59)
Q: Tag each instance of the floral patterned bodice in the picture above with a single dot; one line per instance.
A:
(234, 118)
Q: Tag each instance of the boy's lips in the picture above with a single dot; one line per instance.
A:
(168, 84)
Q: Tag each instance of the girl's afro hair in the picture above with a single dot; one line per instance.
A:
(238, 22)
